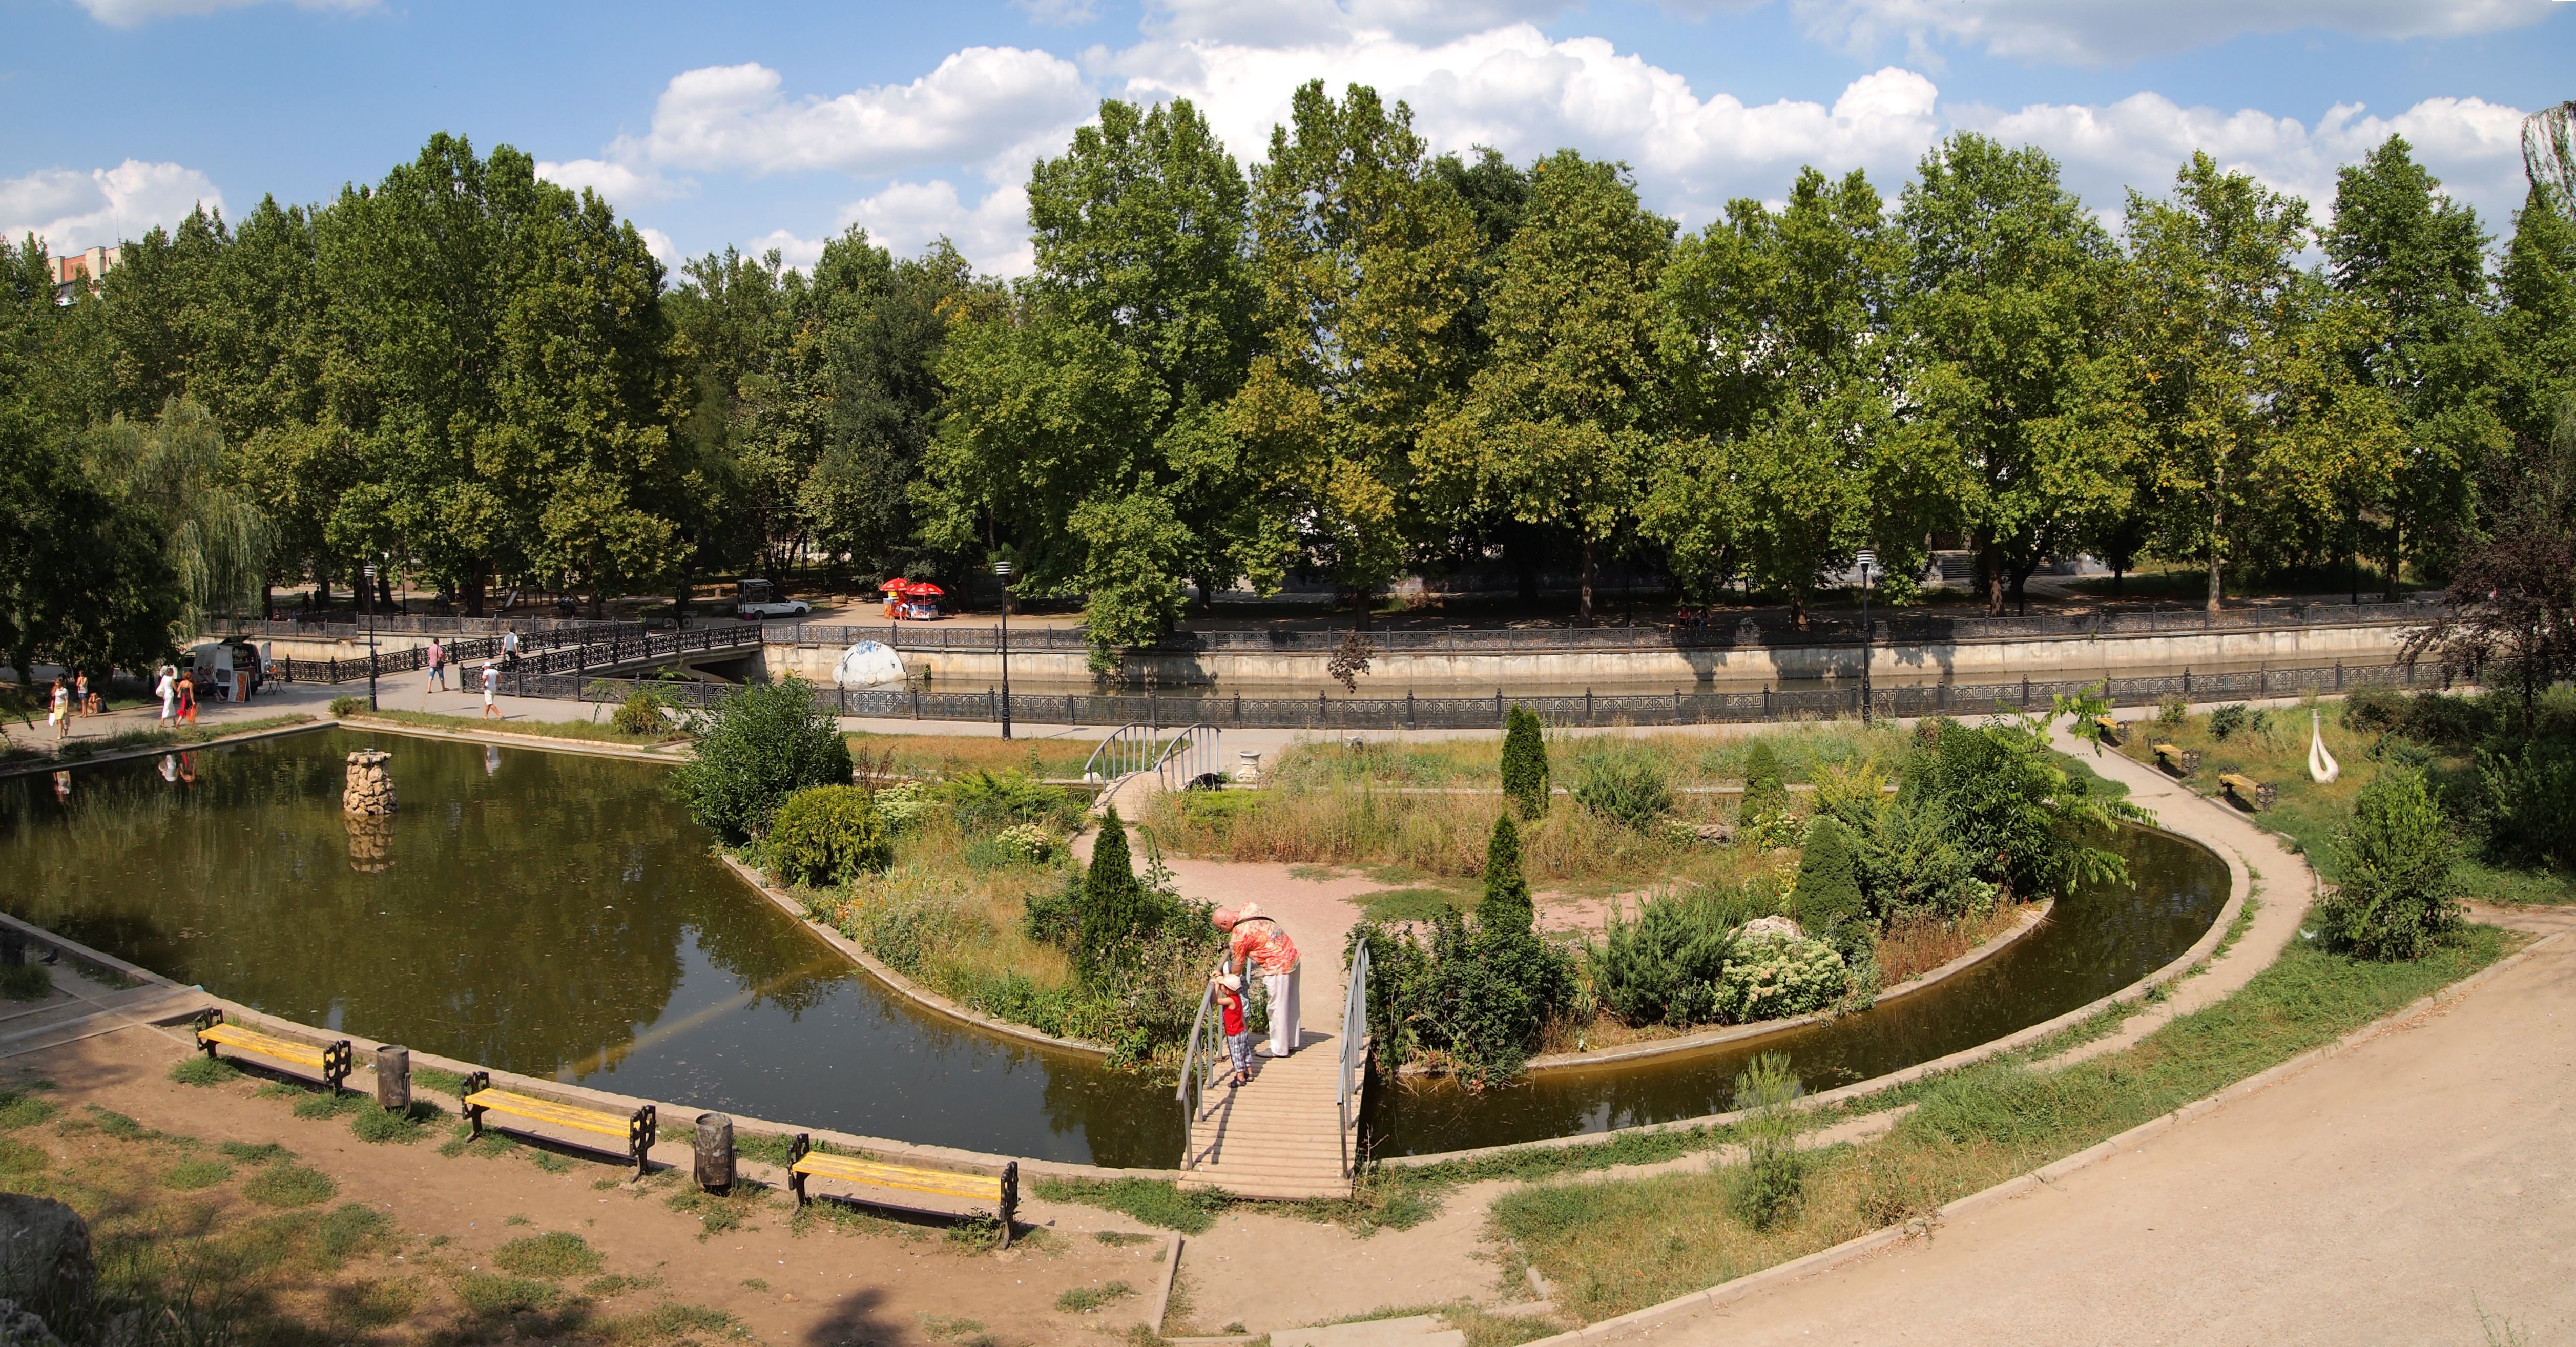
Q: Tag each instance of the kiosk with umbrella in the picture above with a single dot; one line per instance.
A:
(912, 600)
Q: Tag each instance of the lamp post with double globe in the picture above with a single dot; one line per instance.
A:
(371, 635)
(1002, 572)
(1868, 559)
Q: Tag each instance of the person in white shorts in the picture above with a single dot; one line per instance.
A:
(491, 683)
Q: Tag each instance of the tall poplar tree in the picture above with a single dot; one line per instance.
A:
(1554, 430)
(1365, 260)
(2416, 261)
(2009, 290)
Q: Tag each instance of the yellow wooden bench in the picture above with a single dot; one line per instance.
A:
(1002, 1190)
(2249, 792)
(332, 1060)
(2183, 761)
(2107, 729)
(636, 1128)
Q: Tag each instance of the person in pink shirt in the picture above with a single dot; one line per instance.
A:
(1257, 943)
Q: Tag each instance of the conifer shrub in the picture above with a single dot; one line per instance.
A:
(1829, 901)
(1662, 967)
(1482, 991)
(1524, 764)
(828, 835)
(2400, 895)
(1112, 905)
(1765, 819)
(1624, 783)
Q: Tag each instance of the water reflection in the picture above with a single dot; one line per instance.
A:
(2097, 941)
(545, 913)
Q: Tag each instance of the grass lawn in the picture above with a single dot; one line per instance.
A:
(2308, 814)
(1611, 1247)
(599, 732)
(940, 756)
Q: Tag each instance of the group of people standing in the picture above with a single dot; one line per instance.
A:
(489, 677)
(72, 696)
(1256, 945)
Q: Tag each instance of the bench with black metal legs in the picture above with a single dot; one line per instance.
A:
(331, 1060)
(2183, 761)
(478, 1097)
(1002, 1190)
(2107, 730)
(2249, 792)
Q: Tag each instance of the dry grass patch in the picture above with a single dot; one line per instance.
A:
(1916, 943)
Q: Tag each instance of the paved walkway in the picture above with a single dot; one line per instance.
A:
(2384, 1195)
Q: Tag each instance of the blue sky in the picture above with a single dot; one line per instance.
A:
(765, 125)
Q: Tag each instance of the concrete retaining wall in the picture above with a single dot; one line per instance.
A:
(1744, 666)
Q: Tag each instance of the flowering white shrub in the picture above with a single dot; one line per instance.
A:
(903, 804)
(1032, 842)
(1771, 975)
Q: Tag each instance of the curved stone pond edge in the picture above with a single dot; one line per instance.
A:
(1738, 1033)
(2240, 887)
(919, 995)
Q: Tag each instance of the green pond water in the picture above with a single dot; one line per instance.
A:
(545, 913)
(560, 916)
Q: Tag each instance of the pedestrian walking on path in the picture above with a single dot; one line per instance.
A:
(60, 717)
(437, 667)
(168, 687)
(491, 683)
(187, 699)
(1256, 941)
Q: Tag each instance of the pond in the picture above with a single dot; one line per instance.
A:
(546, 913)
(2096, 941)
(560, 916)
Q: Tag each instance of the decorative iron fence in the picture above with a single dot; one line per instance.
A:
(1326, 712)
(541, 654)
(409, 624)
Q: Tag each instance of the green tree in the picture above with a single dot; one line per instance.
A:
(1780, 464)
(1366, 261)
(2416, 262)
(1554, 428)
(1506, 907)
(1829, 894)
(1524, 764)
(2398, 895)
(1088, 418)
(2009, 291)
(2536, 326)
(2023, 819)
(213, 539)
(2249, 408)
(766, 744)
(1113, 901)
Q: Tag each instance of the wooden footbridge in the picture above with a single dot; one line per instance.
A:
(1293, 1132)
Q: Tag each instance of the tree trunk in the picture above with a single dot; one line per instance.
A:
(2020, 576)
(1207, 594)
(1524, 553)
(2216, 591)
(474, 585)
(267, 596)
(384, 590)
(2217, 530)
(1588, 546)
(2117, 575)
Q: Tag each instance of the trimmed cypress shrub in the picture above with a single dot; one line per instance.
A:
(1113, 902)
(828, 835)
(1524, 764)
(1506, 905)
(1829, 900)
(2399, 896)
(1765, 817)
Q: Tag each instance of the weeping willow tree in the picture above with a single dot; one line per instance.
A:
(216, 541)
(2549, 153)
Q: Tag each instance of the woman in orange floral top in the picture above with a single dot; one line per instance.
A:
(1256, 943)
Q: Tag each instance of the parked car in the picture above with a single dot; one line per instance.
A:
(759, 598)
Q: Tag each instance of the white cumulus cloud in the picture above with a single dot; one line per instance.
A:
(71, 210)
(2474, 146)
(2100, 32)
(129, 13)
(907, 217)
(1516, 90)
(621, 185)
(978, 103)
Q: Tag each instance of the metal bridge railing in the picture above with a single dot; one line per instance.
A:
(1354, 1068)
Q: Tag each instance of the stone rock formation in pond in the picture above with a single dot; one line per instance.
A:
(371, 784)
(371, 846)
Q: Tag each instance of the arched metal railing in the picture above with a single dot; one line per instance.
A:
(1178, 757)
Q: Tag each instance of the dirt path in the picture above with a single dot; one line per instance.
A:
(885, 1283)
(2383, 1195)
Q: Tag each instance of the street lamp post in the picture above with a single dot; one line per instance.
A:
(371, 635)
(1002, 572)
(1868, 559)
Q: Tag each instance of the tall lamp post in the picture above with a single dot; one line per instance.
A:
(1868, 559)
(371, 635)
(1002, 572)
